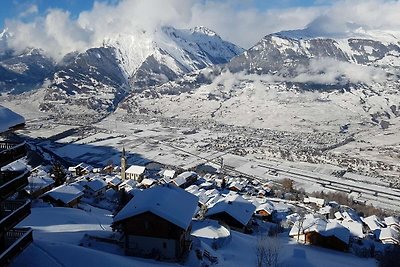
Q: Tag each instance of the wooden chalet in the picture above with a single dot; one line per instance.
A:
(185, 179)
(233, 210)
(12, 240)
(321, 232)
(156, 223)
(64, 195)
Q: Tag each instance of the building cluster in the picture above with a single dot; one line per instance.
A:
(342, 228)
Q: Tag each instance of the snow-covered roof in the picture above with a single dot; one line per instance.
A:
(166, 201)
(96, 184)
(355, 228)
(169, 173)
(373, 222)
(315, 200)
(18, 165)
(114, 180)
(66, 193)
(85, 166)
(389, 235)
(321, 226)
(267, 206)
(9, 119)
(148, 181)
(392, 221)
(186, 175)
(236, 206)
(135, 169)
(38, 182)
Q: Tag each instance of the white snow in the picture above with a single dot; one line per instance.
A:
(168, 202)
(9, 119)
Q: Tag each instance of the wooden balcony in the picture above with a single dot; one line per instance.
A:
(15, 241)
(11, 151)
(11, 182)
(12, 212)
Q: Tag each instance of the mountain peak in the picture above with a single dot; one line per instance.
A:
(203, 30)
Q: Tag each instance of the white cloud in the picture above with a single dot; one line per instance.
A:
(57, 33)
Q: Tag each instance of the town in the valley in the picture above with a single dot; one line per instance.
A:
(61, 197)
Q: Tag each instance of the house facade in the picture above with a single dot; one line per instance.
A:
(156, 223)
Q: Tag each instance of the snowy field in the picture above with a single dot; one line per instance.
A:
(59, 240)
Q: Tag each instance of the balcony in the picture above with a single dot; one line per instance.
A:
(11, 151)
(12, 212)
(11, 182)
(15, 241)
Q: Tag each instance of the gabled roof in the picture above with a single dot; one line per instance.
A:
(389, 234)
(96, 184)
(114, 180)
(9, 119)
(392, 221)
(169, 173)
(321, 226)
(135, 169)
(166, 201)
(236, 206)
(373, 222)
(66, 193)
(38, 182)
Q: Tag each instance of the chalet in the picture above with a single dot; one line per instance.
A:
(135, 172)
(236, 186)
(64, 195)
(232, 210)
(114, 182)
(393, 222)
(185, 179)
(265, 210)
(389, 235)
(321, 232)
(168, 174)
(81, 169)
(156, 223)
(374, 224)
(38, 185)
(95, 188)
(319, 202)
(147, 182)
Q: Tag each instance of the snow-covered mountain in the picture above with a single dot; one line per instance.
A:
(100, 77)
(153, 58)
(290, 77)
(24, 71)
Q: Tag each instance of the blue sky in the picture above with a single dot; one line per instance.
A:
(12, 9)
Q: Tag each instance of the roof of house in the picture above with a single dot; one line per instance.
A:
(169, 173)
(236, 206)
(373, 222)
(66, 193)
(9, 119)
(135, 169)
(321, 226)
(85, 166)
(355, 228)
(114, 180)
(148, 181)
(37, 182)
(166, 201)
(96, 184)
(392, 221)
(389, 233)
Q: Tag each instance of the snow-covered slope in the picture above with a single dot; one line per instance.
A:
(99, 78)
(152, 58)
(9, 119)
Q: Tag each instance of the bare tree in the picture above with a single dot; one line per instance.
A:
(267, 251)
